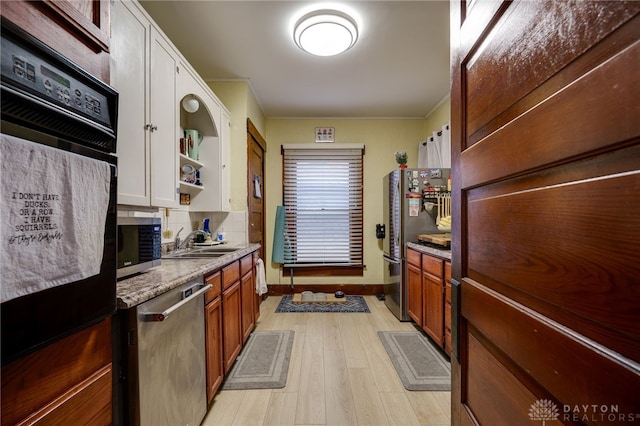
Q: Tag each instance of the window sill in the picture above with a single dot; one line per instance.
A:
(324, 271)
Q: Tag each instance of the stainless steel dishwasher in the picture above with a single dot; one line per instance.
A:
(171, 357)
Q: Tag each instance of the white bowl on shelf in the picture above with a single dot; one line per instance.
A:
(444, 228)
(320, 297)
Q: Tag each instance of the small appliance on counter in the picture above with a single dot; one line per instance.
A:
(139, 244)
(412, 202)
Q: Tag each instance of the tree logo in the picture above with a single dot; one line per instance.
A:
(543, 409)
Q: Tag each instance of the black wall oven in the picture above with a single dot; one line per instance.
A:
(48, 100)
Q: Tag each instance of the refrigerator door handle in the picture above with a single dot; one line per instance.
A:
(396, 224)
(390, 260)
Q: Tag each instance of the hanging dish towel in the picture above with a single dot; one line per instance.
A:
(261, 280)
(53, 211)
(277, 253)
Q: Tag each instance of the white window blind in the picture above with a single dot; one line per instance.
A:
(323, 206)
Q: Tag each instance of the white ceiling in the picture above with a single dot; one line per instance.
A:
(398, 68)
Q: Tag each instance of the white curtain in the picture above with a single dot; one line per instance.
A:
(445, 146)
(422, 154)
(435, 151)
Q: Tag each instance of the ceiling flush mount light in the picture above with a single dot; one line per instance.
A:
(325, 32)
(190, 103)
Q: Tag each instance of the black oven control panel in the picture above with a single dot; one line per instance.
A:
(47, 93)
(35, 75)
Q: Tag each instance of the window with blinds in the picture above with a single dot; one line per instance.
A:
(323, 200)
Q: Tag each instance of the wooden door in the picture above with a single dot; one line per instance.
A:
(545, 118)
(256, 147)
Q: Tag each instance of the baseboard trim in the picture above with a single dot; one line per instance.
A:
(349, 289)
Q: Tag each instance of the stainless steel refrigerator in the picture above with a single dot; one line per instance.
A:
(406, 191)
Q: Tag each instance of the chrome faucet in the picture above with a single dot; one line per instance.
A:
(176, 240)
(184, 243)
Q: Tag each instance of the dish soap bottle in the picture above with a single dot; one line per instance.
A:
(205, 228)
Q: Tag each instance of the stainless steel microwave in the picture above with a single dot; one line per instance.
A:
(139, 244)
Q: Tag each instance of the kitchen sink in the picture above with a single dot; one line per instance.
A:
(201, 253)
(193, 255)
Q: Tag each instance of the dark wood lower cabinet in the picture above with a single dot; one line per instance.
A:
(414, 286)
(231, 308)
(67, 382)
(247, 294)
(429, 303)
(231, 314)
(213, 335)
(433, 307)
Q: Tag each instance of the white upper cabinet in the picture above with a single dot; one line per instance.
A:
(153, 78)
(163, 122)
(144, 67)
(130, 41)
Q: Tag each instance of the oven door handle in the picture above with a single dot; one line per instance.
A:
(161, 316)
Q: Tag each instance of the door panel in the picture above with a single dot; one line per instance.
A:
(540, 47)
(541, 352)
(566, 221)
(256, 147)
(546, 156)
(490, 381)
(547, 121)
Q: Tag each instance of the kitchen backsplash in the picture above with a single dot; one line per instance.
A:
(232, 224)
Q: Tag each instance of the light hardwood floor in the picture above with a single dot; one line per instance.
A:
(339, 374)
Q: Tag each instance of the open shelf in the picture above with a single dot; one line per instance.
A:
(188, 160)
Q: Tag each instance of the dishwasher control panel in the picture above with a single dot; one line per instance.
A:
(189, 291)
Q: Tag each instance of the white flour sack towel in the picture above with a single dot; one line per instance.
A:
(53, 209)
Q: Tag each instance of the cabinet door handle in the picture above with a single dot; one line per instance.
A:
(150, 127)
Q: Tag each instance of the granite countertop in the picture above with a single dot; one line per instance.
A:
(171, 274)
(444, 254)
